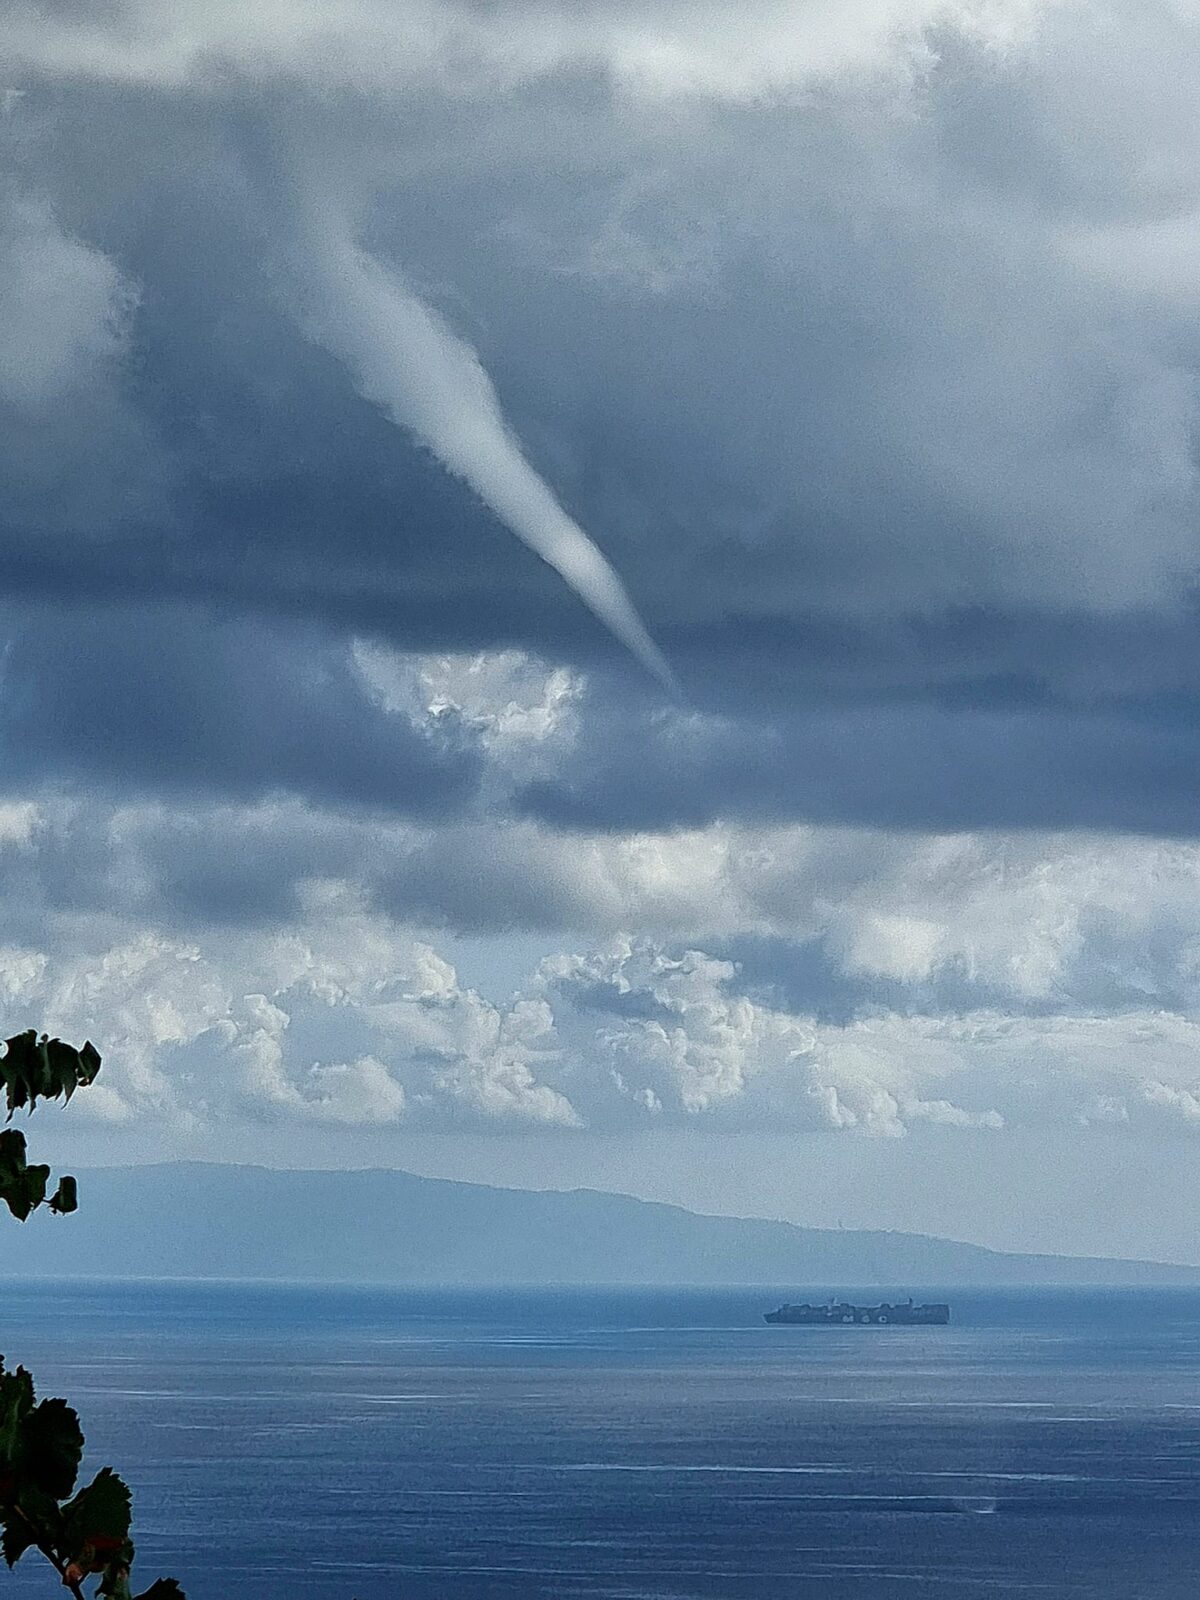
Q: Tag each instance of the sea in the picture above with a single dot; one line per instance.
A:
(288, 1441)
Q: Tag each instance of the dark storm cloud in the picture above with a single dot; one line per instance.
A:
(909, 766)
(180, 866)
(899, 473)
(170, 701)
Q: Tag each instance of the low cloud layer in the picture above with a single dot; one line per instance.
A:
(352, 1023)
(271, 962)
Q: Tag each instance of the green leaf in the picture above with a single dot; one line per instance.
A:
(52, 1448)
(23, 1191)
(17, 1537)
(163, 1589)
(12, 1150)
(99, 1516)
(88, 1065)
(22, 1187)
(16, 1402)
(66, 1197)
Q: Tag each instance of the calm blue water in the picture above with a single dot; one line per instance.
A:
(293, 1442)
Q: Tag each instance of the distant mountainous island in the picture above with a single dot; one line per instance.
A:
(199, 1220)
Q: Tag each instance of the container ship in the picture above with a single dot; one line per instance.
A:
(837, 1312)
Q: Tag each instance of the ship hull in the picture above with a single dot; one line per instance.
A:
(845, 1315)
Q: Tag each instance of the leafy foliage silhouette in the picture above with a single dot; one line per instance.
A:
(84, 1533)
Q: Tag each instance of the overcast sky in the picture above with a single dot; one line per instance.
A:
(604, 592)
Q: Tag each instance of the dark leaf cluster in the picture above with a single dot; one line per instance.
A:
(23, 1187)
(34, 1067)
(83, 1533)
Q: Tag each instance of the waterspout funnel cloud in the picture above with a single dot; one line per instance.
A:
(406, 359)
